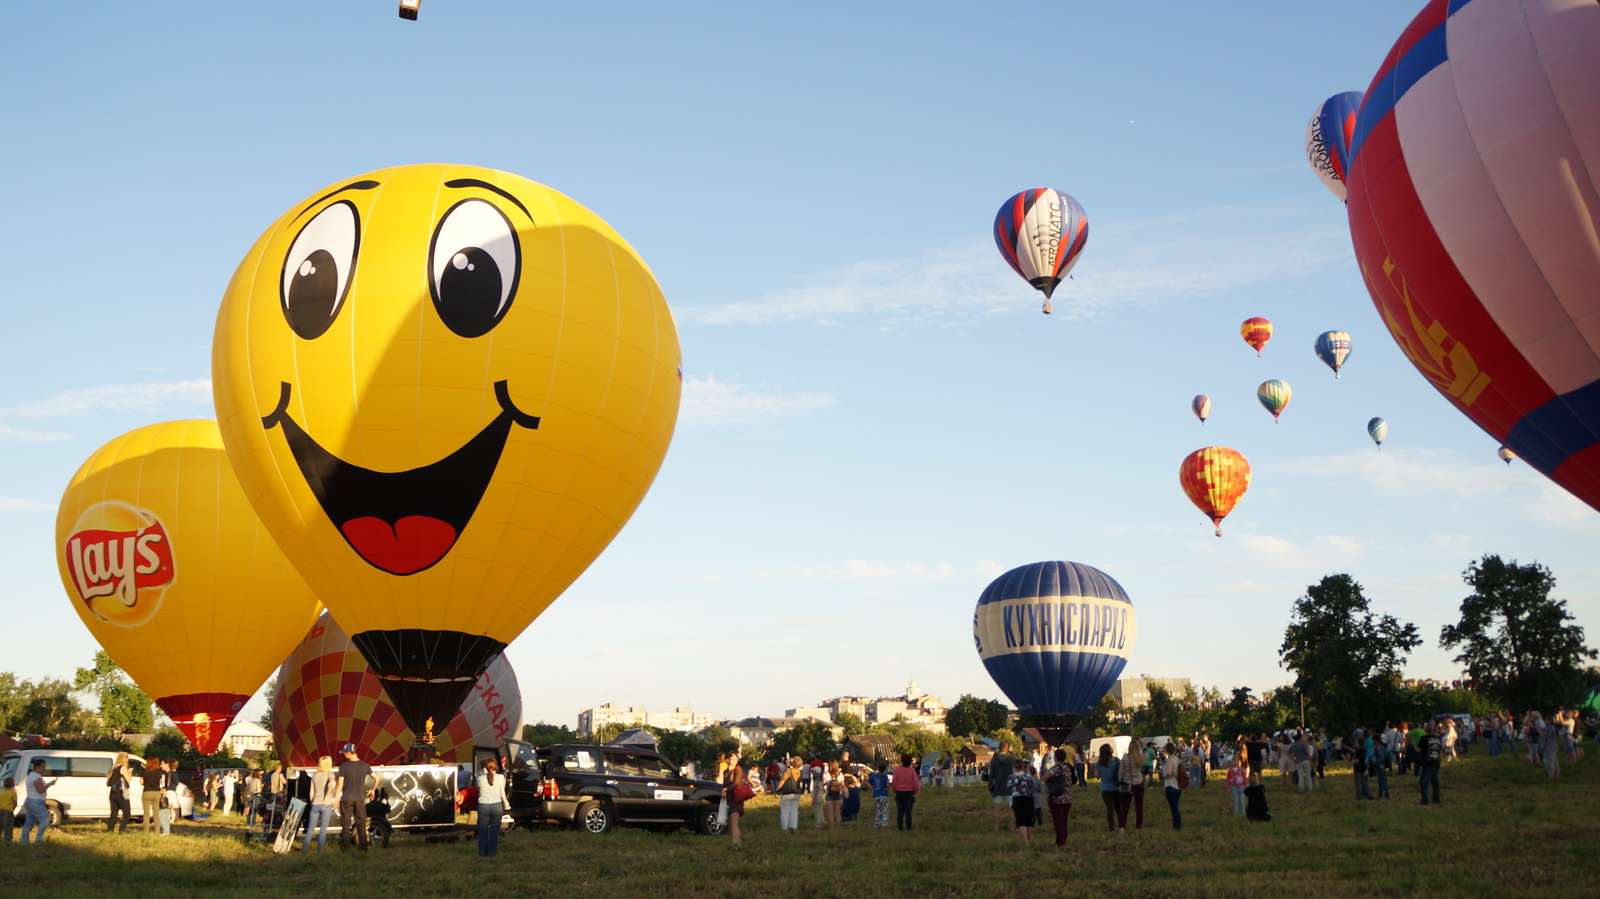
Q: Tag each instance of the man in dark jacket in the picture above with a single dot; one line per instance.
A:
(1429, 753)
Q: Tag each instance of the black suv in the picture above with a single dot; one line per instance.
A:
(596, 787)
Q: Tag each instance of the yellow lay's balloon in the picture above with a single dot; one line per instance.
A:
(445, 389)
(172, 572)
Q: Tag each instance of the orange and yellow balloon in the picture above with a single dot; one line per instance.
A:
(1256, 332)
(1215, 478)
(169, 568)
(445, 388)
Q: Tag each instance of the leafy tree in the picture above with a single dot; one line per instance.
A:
(542, 734)
(605, 733)
(123, 707)
(680, 747)
(272, 697)
(716, 740)
(971, 716)
(47, 707)
(268, 756)
(1517, 643)
(1346, 660)
(1210, 694)
(1099, 717)
(1007, 736)
(852, 723)
(1159, 716)
(170, 743)
(805, 739)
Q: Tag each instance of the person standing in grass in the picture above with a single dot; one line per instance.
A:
(150, 797)
(1359, 768)
(1130, 784)
(732, 777)
(1549, 750)
(353, 797)
(906, 784)
(38, 814)
(1023, 785)
(1000, 768)
(323, 796)
(1238, 779)
(1174, 777)
(1429, 752)
(1255, 797)
(879, 781)
(1106, 769)
(1300, 752)
(1058, 783)
(833, 785)
(8, 809)
(120, 780)
(1379, 768)
(789, 789)
(491, 807)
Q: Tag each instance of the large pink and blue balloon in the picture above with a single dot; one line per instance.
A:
(1054, 636)
(1328, 140)
(1040, 233)
(1475, 217)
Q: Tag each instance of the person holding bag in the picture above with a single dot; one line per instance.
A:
(735, 792)
(789, 789)
(120, 780)
(1130, 783)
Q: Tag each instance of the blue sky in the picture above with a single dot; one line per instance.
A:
(877, 420)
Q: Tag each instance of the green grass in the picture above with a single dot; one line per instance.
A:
(1503, 830)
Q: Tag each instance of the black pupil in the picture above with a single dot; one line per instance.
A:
(469, 292)
(313, 295)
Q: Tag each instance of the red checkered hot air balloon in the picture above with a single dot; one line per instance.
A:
(1256, 332)
(1215, 478)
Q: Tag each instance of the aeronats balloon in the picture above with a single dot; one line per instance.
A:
(1328, 140)
(1378, 429)
(1256, 332)
(1274, 396)
(171, 571)
(445, 389)
(1505, 454)
(1202, 408)
(1214, 478)
(1040, 233)
(1333, 347)
(1054, 636)
(1473, 212)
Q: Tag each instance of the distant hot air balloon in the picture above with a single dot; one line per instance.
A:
(1215, 478)
(1054, 636)
(1473, 214)
(1378, 429)
(169, 568)
(1274, 395)
(1040, 233)
(327, 696)
(445, 388)
(1202, 408)
(1505, 454)
(1256, 332)
(1328, 140)
(1333, 347)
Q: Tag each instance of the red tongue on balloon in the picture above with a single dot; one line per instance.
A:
(414, 543)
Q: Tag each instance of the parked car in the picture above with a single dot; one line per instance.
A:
(80, 789)
(596, 787)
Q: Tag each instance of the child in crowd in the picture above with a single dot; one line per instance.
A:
(8, 809)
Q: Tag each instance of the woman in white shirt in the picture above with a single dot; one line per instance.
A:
(491, 806)
(323, 798)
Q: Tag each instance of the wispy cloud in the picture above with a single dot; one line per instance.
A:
(146, 397)
(1554, 505)
(15, 504)
(860, 570)
(1266, 549)
(1403, 472)
(15, 435)
(1162, 260)
(713, 403)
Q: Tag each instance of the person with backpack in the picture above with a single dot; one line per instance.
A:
(1023, 785)
(1430, 751)
(1175, 777)
(1058, 782)
(790, 787)
(120, 781)
(999, 779)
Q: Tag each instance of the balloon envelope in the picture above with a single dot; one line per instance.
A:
(445, 388)
(1328, 140)
(1378, 429)
(1256, 332)
(1202, 407)
(1054, 636)
(1473, 210)
(1214, 478)
(1040, 233)
(1274, 396)
(169, 568)
(1505, 454)
(328, 696)
(1333, 347)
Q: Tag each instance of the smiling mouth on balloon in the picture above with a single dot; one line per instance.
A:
(401, 522)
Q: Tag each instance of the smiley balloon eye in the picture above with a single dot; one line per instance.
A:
(473, 266)
(316, 273)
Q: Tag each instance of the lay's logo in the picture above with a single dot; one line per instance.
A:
(120, 561)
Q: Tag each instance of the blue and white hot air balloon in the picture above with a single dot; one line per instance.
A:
(1054, 636)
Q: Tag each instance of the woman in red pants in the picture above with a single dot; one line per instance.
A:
(1058, 782)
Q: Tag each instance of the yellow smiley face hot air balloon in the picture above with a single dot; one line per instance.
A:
(445, 389)
(169, 568)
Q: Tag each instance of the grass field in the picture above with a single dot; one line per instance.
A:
(1502, 830)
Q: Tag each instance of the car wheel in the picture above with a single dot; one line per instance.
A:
(595, 817)
(706, 820)
(377, 835)
(56, 816)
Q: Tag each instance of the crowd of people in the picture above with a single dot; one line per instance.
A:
(834, 787)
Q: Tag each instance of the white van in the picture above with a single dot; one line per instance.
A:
(80, 789)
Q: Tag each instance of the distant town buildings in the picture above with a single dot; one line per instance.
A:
(1134, 692)
(682, 718)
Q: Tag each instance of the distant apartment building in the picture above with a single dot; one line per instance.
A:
(811, 712)
(682, 718)
(1134, 692)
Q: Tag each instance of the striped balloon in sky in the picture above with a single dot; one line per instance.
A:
(1328, 140)
(1054, 636)
(1274, 396)
(1378, 429)
(1256, 332)
(1202, 408)
(1040, 232)
(1475, 218)
(1333, 347)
